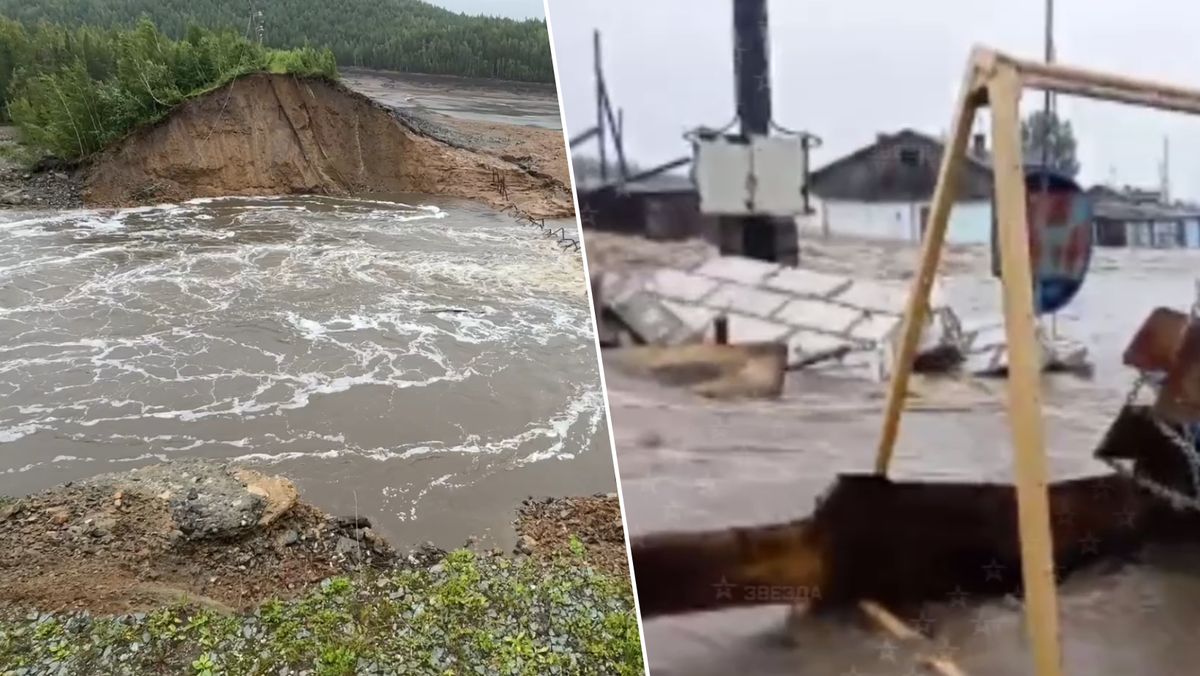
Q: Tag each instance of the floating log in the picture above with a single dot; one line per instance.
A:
(897, 543)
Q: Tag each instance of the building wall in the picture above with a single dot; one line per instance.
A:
(970, 222)
(1163, 234)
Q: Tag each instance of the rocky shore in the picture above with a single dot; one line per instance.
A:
(101, 575)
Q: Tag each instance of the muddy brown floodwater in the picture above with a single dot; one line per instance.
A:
(529, 104)
(428, 363)
(689, 464)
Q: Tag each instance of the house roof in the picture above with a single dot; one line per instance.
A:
(860, 176)
(658, 184)
(981, 162)
(1121, 210)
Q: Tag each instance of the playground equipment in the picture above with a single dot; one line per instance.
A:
(872, 538)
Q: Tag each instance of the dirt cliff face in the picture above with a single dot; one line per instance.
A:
(277, 134)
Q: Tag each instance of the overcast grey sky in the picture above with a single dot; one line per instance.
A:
(846, 69)
(515, 9)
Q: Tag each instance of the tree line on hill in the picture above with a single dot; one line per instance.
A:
(72, 91)
(401, 35)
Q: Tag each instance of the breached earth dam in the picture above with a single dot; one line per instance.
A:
(426, 362)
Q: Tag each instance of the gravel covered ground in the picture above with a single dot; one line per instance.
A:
(199, 567)
(482, 614)
(549, 527)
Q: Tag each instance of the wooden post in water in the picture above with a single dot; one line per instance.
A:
(998, 82)
(1024, 374)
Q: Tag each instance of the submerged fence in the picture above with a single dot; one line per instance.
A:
(559, 234)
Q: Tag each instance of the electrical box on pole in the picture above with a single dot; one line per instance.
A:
(759, 176)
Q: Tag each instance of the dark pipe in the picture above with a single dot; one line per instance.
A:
(751, 66)
(642, 175)
(721, 330)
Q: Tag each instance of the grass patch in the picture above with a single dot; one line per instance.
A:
(23, 156)
(470, 614)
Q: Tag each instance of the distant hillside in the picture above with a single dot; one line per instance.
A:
(402, 35)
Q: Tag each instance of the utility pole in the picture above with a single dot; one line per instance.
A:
(1165, 171)
(1047, 112)
(758, 236)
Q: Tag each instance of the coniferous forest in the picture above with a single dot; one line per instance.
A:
(72, 91)
(401, 35)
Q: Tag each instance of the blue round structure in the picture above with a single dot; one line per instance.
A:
(1061, 238)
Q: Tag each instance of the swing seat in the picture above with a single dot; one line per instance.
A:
(1168, 342)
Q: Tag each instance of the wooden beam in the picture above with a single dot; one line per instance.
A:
(937, 540)
(1103, 86)
(888, 622)
(1024, 375)
(918, 296)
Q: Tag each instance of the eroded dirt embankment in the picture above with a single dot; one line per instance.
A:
(277, 134)
(228, 538)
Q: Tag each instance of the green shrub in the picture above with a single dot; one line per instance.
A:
(74, 91)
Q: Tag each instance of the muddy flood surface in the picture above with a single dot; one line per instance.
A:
(520, 103)
(691, 464)
(427, 363)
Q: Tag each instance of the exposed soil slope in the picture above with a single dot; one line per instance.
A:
(193, 529)
(277, 134)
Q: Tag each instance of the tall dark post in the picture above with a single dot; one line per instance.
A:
(751, 64)
(600, 94)
(762, 237)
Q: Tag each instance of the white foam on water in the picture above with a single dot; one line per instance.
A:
(234, 327)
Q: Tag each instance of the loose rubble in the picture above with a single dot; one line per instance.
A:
(548, 527)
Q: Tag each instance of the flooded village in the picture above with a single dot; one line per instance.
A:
(300, 374)
(747, 362)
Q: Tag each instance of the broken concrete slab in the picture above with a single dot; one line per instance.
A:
(745, 299)
(986, 351)
(807, 283)
(737, 269)
(817, 315)
(697, 317)
(811, 313)
(678, 285)
(650, 320)
(875, 296)
(747, 329)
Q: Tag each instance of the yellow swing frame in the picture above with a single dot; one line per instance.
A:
(997, 80)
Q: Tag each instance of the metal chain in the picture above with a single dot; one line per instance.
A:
(1185, 442)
